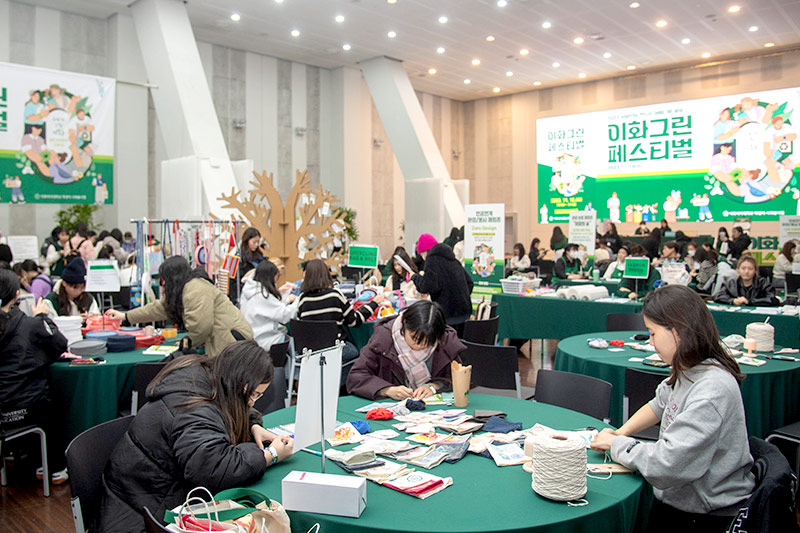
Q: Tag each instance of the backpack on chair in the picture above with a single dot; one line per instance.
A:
(483, 311)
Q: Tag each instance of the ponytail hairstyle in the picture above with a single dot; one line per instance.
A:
(265, 275)
(683, 311)
(9, 287)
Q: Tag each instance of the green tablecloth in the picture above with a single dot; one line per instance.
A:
(483, 497)
(610, 285)
(547, 317)
(360, 335)
(86, 395)
(769, 392)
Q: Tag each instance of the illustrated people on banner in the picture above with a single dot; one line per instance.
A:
(671, 206)
(100, 190)
(80, 136)
(778, 149)
(15, 184)
(483, 260)
(723, 167)
(33, 146)
(543, 213)
(613, 207)
(724, 128)
(567, 176)
(646, 210)
(629, 213)
(57, 99)
(749, 111)
(59, 172)
(637, 213)
(702, 203)
(35, 113)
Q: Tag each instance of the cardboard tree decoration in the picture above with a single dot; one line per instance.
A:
(303, 229)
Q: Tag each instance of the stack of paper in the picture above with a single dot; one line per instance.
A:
(507, 454)
(419, 484)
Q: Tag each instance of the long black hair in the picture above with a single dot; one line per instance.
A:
(9, 286)
(247, 255)
(557, 236)
(425, 322)
(235, 373)
(265, 274)
(82, 302)
(400, 251)
(175, 272)
(683, 311)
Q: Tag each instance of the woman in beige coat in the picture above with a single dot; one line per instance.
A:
(193, 303)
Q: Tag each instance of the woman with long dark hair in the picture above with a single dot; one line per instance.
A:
(783, 265)
(700, 464)
(558, 241)
(612, 238)
(28, 345)
(251, 250)
(192, 302)
(198, 428)
(652, 244)
(519, 260)
(266, 307)
(32, 280)
(69, 296)
(536, 253)
(400, 278)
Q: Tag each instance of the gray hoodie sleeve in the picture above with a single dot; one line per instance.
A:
(682, 454)
(659, 402)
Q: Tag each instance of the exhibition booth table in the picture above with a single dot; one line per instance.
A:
(769, 391)
(483, 497)
(549, 317)
(611, 285)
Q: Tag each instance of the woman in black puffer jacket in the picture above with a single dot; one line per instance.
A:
(197, 429)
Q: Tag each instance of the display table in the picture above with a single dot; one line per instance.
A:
(611, 285)
(86, 395)
(548, 317)
(769, 392)
(360, 335)
(483, 497)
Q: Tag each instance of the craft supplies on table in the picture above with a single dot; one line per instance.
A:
(559, 466)
(764, 335)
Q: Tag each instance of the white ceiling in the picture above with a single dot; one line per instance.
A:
(629, 35)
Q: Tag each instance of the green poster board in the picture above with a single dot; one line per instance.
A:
(637, 268)
(363, 256)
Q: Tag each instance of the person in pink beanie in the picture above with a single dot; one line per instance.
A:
(426, 242)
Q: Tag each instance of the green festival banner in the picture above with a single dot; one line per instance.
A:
(484, 248)
(697, 160)
(56, 136)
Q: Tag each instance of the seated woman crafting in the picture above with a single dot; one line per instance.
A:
(408, 356)
(570, 265)
(749, 288)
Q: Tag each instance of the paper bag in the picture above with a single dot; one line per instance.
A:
(461, 380)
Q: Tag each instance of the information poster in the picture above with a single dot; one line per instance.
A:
(789, 229)
(484, 248)
(102, 276)
(56, 136)
(582, 230)
(704, 160)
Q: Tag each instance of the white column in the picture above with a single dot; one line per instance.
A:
(47, 52)
(5, 30)
(299, 104)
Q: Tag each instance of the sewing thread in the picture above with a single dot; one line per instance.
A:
(559, 467)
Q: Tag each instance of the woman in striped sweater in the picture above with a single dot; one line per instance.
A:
(320, 301)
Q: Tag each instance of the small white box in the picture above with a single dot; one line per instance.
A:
(324, 493)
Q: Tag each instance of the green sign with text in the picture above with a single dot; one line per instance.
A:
(637, 267)
(362, 256)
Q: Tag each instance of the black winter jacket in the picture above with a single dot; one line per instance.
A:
(447, 282)
(760, 293)
(28, 346)
(739, 245)
(170, 450)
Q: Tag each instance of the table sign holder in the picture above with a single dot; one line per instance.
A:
(317, 403)
(102, 276)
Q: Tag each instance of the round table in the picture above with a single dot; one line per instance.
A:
(483, 497)
(769, 391)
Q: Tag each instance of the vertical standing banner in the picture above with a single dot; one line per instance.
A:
(484, 248)
(582, 229)
(56, 136)
(789, 229)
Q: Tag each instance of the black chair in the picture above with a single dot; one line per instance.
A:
(151, 523)
(274, 397)
(143, 374)
(640, 388)
(585, 394)
(765, 271)
(792, 283)
(87, 456)
(11, 434)
(495, 370)
(279, 353)
(790, 434)
(312, 334)
(482, 331)
(625, 322)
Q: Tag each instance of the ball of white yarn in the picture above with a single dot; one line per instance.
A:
(559, 467)
(764, 335)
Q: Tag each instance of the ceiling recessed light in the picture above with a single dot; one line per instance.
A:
(509, 73)
(634, 5)
(442, 20)
(706, 55)
(607, 55)
(440, 50)
(537, 83)
(391, 34)
(496, 90)
(431, 71)
(339, 18)
(546, 25)
(578, 40)
(769, 45)
(346, 47)
(685, 40)
(502, 3)
(524, 52)
(391, 1)
(582, 75)
(278, 1)
(734, 9)
(467, 81)
(476, 61)
(661, 23)
(490, 38)
(631, 67)
(752, 28)
(235, 17)
(295, 33)
(556, 64)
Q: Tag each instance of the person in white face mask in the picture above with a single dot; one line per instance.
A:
(691, 253)
(569, 266)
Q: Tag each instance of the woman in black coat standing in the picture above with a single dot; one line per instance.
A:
(198, 428)
(652, 244)
(445, 280)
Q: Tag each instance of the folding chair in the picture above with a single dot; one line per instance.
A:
(495, 370)
(585, 394)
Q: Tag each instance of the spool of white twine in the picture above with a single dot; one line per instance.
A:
(559, 467)
(764, 335)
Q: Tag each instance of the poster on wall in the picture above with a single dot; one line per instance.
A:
(56, 136)
(704, 160)
(582, 230)
(484, 248)
(789, 229)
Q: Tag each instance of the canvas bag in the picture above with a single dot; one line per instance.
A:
(238, 510)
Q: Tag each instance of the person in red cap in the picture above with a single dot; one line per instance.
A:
(445, 280)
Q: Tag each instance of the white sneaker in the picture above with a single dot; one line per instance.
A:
(56, 478)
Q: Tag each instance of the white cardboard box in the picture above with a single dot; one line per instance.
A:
(324, 493)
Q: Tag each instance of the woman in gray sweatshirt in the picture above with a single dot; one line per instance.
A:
(700, 465)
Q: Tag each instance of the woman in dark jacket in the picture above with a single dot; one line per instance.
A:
(446, 281)
(198, 428)
(408, 356)
(749, 288)
(28, 345)
(652, 244)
